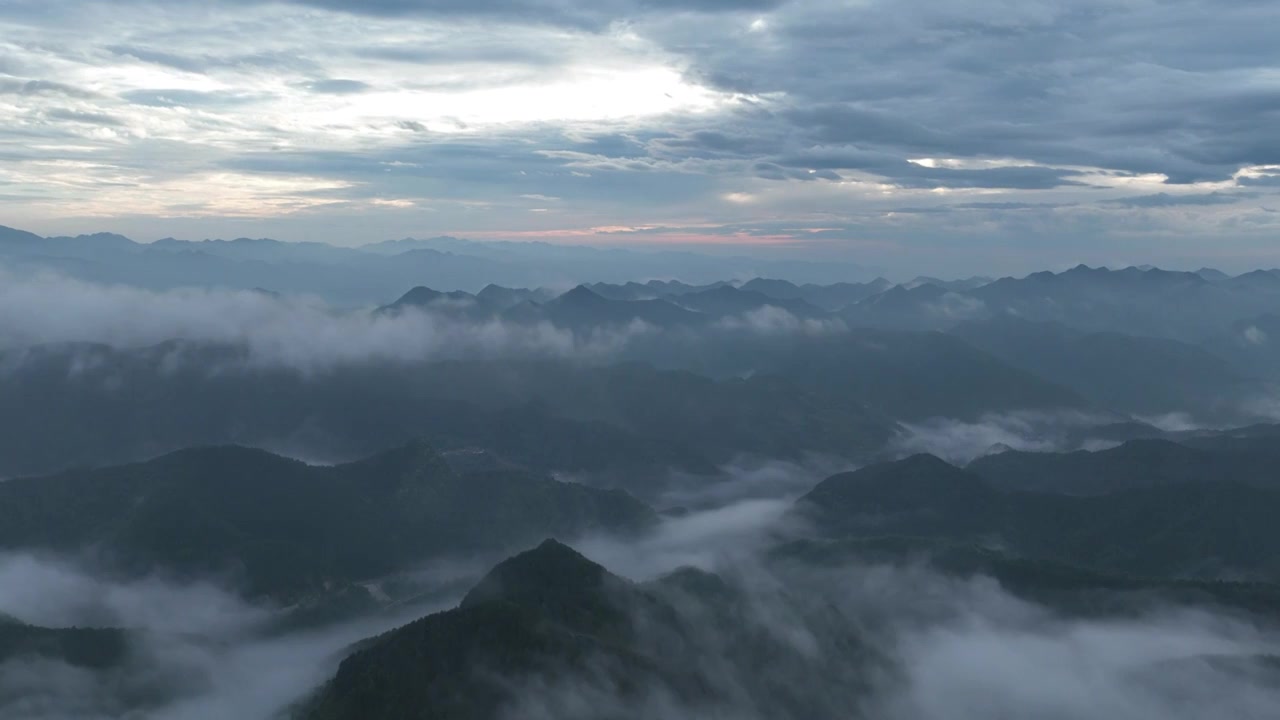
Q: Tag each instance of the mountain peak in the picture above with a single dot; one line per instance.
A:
(1256, 279)
(581, 295)
(782, 289)
(919, 478)
(550, 577)
(420, 295)
(106, 237)
(495, 289)
(401, 470)
(15, 236)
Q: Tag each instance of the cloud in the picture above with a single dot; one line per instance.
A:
(1261, 180)
(338, 86)
(711, 520)
(305, 333)
(1264, 405)
(178, 97)
(196, 651)
(1172, 422)
(1069, 122)
(701, 539)
(1157, 666)
(901, 641)
(273, 331)
(56, 592)
(41, 87)
(958, 306)
(748, 478)
(959, 442)
(89, 118)
(1167, 200)
(1255, 335)
(772, 320)
(897, 641)
(568, 12)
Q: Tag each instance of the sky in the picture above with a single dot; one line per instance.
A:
(1012, 134)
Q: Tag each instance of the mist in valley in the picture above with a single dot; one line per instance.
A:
(639, 360)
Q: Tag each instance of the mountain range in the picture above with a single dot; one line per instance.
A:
(499, 480)
(280, 528)
(373, 273)
(1118, 535)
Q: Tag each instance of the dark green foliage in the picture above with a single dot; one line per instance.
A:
(550, 621)
(545, 614)
(561, 584)
(1126, 373)
(887, 374)
(1065, 588)
(1137, 464)
(911, 376)
(89, 648)
(71, 405)
(1252, 344)
(1216, 530)
(284, 528)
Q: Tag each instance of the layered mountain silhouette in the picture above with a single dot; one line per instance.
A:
(90, 404)
(1140, 464)
(1207, 528)
(1068, 589)
(1134, 374)
(286, 529)
(548, 628)
(550, 632)
(1146, 302)
(377, 272)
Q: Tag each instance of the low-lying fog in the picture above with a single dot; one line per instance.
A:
(956, 649)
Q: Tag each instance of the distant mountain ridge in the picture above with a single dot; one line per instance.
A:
(374, 273)
(377, 271)
(1156, 303)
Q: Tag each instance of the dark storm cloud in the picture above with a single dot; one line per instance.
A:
(1138, 88)
(611, 145)
(770, 171)
(1063, 115)
(708, 143)
(851, 124)
(904, 173)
